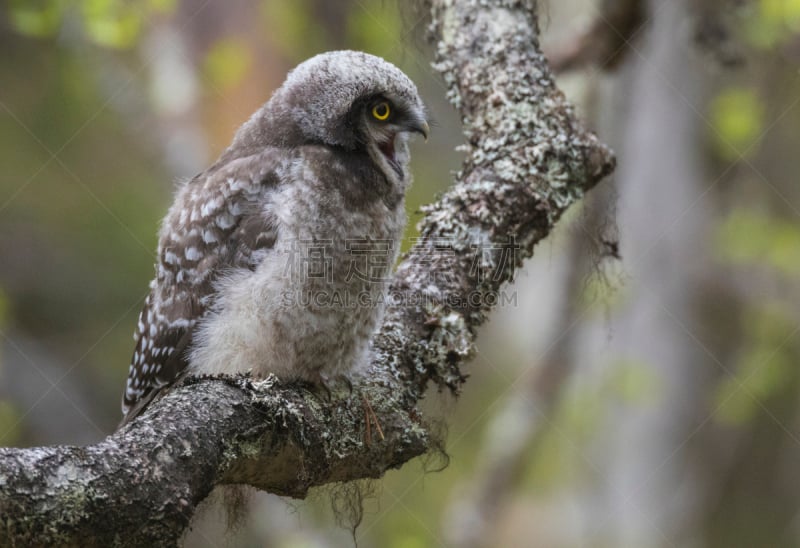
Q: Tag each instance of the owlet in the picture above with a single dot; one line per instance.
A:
(276, 258)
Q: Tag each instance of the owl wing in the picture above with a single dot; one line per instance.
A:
(217, 222)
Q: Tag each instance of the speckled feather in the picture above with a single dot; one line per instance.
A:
(301, 169)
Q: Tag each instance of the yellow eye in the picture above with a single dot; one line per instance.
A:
(381, 111)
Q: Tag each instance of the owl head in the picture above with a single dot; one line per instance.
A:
(346, 99)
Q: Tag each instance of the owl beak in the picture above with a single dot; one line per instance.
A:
(421, 127)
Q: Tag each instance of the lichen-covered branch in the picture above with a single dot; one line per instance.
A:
(527, 160)
(140, 486)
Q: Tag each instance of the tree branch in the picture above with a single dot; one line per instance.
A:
(606, 41)
(528, 159)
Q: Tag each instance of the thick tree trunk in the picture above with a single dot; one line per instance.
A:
(528, 159)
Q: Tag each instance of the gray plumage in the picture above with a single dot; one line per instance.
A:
(262, 258)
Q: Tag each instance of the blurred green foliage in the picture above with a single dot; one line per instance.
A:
(583, 414)
(10, 424)
(408, 540)
(77, 231)
(772, 22)
(107, 23)
(295, 32)
(4, 308)
(10, 419)
(603, 292)
(755, 240)
(226, 64)
(40, 19)
(111, 23)
(378, 30)
(768, 360)
(737, 117)
(758, 240)
(634, 383)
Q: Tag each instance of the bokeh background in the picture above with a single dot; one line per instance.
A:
(641, 388)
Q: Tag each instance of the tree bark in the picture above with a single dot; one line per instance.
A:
(528, 159)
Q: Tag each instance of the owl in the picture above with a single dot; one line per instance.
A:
(276, 258)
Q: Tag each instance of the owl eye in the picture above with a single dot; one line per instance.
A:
(381, 111)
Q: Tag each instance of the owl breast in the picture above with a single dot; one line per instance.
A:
(309, 307)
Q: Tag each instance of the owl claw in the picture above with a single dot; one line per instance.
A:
(345, 380)
(327, 388)
(333, 385)
(318, 389)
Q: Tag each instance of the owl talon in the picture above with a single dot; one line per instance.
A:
(344, 380)
(319, 389)
(325, 393)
